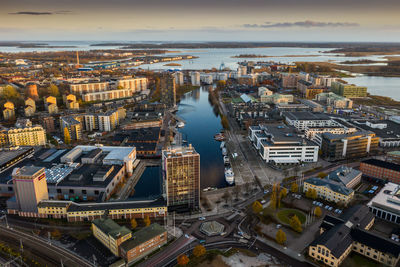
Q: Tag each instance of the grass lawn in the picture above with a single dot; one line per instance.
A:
(284, 215)
(356, 260)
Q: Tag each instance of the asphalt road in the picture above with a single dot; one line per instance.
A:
(50, 253)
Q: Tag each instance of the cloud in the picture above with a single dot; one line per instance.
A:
(304, 24)
(45, 13)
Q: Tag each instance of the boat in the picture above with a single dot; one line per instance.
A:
(224, 151)
(222, 145)
(219, 137)
(180, 124)
(226, 160)
(229, 176)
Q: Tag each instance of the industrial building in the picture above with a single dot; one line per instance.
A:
(386, 204)
(380, 169)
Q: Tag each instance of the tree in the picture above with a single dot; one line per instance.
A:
(55, 234)
(322, 175)
(226, 196)
(280, 237)
(133, 223)
(283, 192)
(257, 207)
(67, 136)
(182, 260)
(224, 122)
(146, 220)
(294, 187)
(221, 84)
(199, 251)
(295, 224)
(53, 90)
(314, 194)
(10, 93)
(318, 212)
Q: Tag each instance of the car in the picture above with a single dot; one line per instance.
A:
(314, 202)
(335, 211)
(320, 204)
(202, 218)
(263, 201)
(266, 191)
(223, 233)
(330, 208)
(278, 226)
(202, 241)
(340, 211)
(187, 236)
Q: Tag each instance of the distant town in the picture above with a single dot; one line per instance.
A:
(101, 166)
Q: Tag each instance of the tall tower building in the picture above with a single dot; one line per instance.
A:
(195, 78)
(31, 91)
(30, 188)
(179, 78)
(168, 90)
(181, 172)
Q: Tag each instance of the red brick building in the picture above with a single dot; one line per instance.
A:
(381, 170)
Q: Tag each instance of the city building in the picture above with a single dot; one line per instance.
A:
(195, 78)
(386, 204)
(167, 90)
(315, 133)
(143, 242)
(380, 169)
(346, 176)
(181, 172)
(71, 102)
(335, 101)
(27, 136)
(329, 190)
(73, 126)
(31, 91)
(393, 156)
(339, 236)
(30, 107)
(30, 188)
(388, 131)
(83, 88)
(303, 119)
(107, 121)
(280, 144)
(48, 124)
(348, 90)
(9, 111)
(276, 99)
(289, 80)
(136, 84)
(110, 234)
(50, 104)
(206, 78)
(314, 106)
(343, 146)
(179, 78)
(309, 90)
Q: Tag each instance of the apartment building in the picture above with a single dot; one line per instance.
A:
(339, 236)
(9, 111)
(329, 190)
(276, 99)
(27, 136)
(92, 87)
(195, 78)
(348, 90)
(302, 120)
(30, 107)
(108, 121)
(73, 125)
(309, 90)
(181, 171)
(280, 144)
(71, 102)
(50, 104)
(380, 169)
(335, 101)
(386, 204)
(179, 78)
(354, 145)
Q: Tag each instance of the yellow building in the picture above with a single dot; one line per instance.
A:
(9, 111)
(340, 236)
(74, 126)
(71, 102)
(3, 138)
(329, 190)
(110, 234)
(30, 107)
(27, 136)
(51, 104)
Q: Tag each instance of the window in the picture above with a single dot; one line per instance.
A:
(59, 191)
(71, 191)
(96, 192)
(84, 192)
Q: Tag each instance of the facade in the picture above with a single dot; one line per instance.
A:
(70, 102)
(73, 126)
(386, 204)
(179, 78)
(167, 90)
(108, 121)
(303, 119)
(309, 90)
(136, 84)
(83, 88)
(9, 111)
(381, 169)
(31, 91)
(348, 90)
(276, 99)
(30, 188)
(388, 131)
(280, 144)
(108, 95)
(335, 101)
(393, 156)
(329, 190)
(339, 236)
(289, 80)
(181, 171)
(342, 146)
(110, 234)
(30, 107)
(50, 104)
(48, 124)
(195, 78)
(143, 242)
(346, 176)
(27, 136)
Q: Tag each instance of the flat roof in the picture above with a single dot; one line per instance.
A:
(143, 235)
(382, 164)
(305, 115)
(388, 198)
(392, 130)
(109, 227)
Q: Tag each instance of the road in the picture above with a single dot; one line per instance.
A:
(51, 253)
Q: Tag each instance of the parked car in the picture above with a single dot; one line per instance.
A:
(278, 226)
(320, 204)
(187, 236)
(330, 208)
(326, 207)
(263, 201)
(202, 218)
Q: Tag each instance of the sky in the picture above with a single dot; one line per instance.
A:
(201, 20)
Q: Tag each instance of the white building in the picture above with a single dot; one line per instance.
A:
(195, 78)
(302, 120)
(241, 70)
(386, 204)
(206, 78)
(279, 144)
(179, 78)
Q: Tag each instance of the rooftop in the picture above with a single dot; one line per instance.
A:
(332, 185)
(344, 175)
(388, 198)
(305, 115)
(383, 164)
(111, 228)
(143, 235)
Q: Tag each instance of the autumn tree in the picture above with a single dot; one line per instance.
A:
(221, 84)
(318, 212)
(283, 192)
(133, 223)
(296, 224)
(10, 93)
(146, 220)
(53, 90)
(280, 237)
(257, 207)
(314, 194)
(182, 260)
(67, 136)
(56, 234)
(224, 122)
(226, 196)
(322, 175)
(199, 251)
(294, 187)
